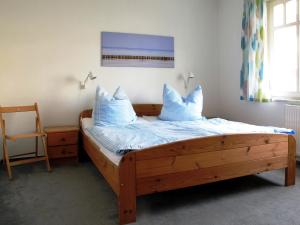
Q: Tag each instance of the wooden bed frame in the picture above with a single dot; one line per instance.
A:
(189, 163)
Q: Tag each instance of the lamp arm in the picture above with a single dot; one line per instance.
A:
(87, 77)
(185, 83)
(82, 84)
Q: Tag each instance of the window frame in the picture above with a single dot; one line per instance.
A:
(270, 46)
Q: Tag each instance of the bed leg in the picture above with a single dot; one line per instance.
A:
(290, 171)
(127, 194)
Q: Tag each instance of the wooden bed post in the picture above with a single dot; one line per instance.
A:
(290, 171)
(127, 193)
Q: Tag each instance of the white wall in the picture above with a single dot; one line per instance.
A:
(230, 61)
(47, 46)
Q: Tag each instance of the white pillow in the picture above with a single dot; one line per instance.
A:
(178, 108)
(113, 110)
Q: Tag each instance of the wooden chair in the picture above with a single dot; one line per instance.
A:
(15, 160)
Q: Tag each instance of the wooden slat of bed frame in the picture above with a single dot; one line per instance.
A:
(179, 163)
(140, 109)
(109, 170)
(147, 109)
(86, 114)
(207, 144)
(174, 181)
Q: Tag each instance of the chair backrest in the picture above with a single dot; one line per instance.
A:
(15, 109)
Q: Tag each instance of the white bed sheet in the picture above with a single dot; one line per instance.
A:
(88, 122)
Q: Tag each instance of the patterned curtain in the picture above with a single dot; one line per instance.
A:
(254, 82)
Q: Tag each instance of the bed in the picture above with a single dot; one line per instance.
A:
(188, 163)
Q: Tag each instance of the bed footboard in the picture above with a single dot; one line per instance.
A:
(205, 160)
(200, 161)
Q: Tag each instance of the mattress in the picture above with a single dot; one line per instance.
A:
(114, 158)
(115, 141)
(148, 132)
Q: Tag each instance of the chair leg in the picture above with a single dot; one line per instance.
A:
(36, 147)
(7, 163)
(39, 128)
(3, 156)
(46, 154)
(9, 170)
(36, 139)
(48, 165)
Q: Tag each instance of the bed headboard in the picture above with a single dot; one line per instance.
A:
(147, 109)
(140, 110)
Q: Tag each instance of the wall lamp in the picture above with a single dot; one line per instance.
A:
(90, 76)
(186, 80)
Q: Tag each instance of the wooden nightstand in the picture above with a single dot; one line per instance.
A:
(62, 142)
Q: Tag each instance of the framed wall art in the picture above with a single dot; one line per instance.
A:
(136, 50)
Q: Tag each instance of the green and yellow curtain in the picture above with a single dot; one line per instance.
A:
(254, 82)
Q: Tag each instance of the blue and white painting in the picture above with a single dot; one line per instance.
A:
(137, 50)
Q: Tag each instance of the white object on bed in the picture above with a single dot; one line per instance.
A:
(150, 118)
(178, 108)
(113, 110)
(87, 123)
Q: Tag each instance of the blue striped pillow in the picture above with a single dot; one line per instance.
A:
(113, 110)
(177, 108)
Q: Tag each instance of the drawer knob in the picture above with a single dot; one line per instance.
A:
(63, 139)
(63, 151)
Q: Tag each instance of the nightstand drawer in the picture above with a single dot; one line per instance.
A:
(62, 151)
(62, 138)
